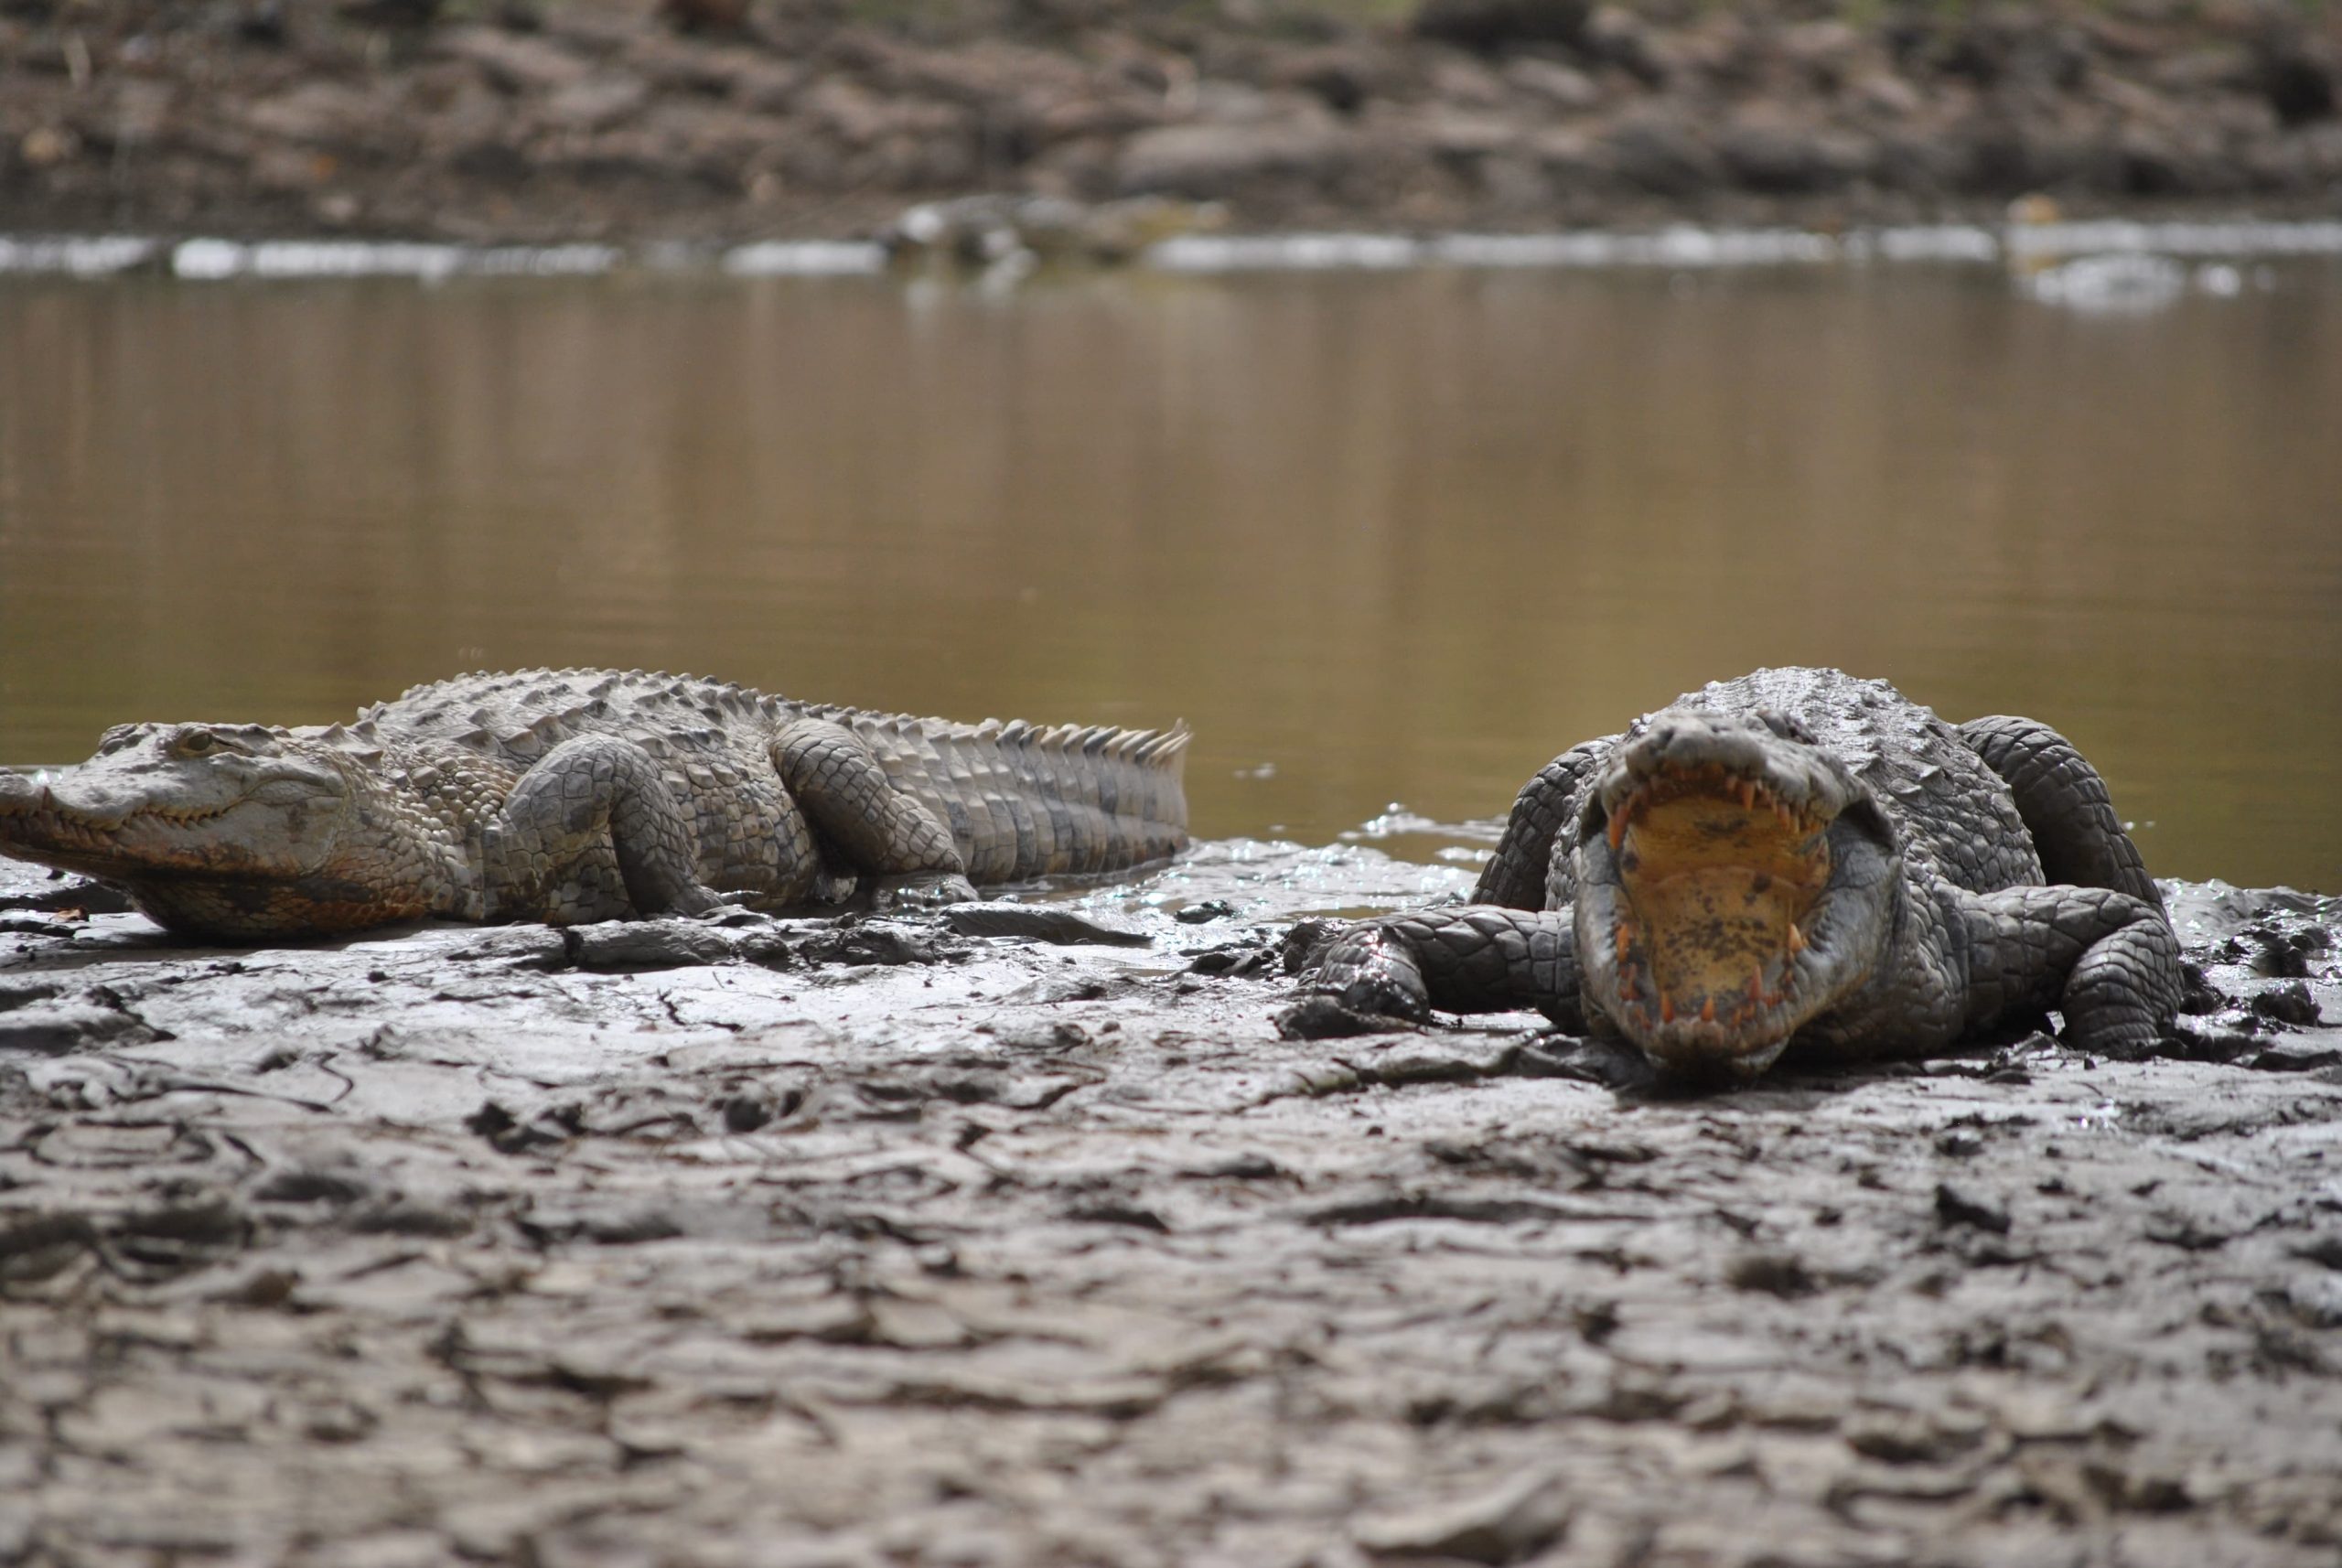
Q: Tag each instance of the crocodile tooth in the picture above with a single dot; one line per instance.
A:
(1797, 938)
(1708, 1011)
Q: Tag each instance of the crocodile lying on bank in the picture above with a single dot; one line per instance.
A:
(1794, 853)
(577, 795)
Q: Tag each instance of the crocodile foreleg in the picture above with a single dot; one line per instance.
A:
(591, 832)
(1521, 874)
(2105, 960)
(1478, 959)
(882, 834)
(2065, 806)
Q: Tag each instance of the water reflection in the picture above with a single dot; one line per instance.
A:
(1402, 536)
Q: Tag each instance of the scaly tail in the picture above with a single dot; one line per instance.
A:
(1023, 801)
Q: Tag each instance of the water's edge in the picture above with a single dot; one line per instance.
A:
(2018, 245)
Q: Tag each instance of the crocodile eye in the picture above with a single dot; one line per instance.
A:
(199, 743)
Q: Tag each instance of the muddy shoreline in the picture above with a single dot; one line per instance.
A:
(768, 1241)
(606, 122)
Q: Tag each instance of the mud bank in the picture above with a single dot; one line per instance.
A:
(775, 1242)
(597, 120)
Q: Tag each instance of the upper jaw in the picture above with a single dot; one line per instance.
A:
(1784, 772)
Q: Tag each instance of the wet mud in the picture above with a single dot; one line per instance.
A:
(988, 1239)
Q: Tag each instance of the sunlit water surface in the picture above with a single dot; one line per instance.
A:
(1384, 538)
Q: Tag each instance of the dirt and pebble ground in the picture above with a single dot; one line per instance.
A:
(551, 120)
(897, 1241)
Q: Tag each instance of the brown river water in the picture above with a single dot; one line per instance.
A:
(1380, 538)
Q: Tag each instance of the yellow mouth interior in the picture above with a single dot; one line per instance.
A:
(1718, 873)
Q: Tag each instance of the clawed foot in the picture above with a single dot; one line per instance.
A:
(926, 890)
(1385, 995)
(696, 899)
(1371, 973)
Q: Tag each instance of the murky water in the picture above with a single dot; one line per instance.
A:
(1380, 538)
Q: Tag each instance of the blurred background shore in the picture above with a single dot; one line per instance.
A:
(535, 121)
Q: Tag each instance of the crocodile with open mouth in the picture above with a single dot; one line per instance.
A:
(575, 795)
(1797, 854)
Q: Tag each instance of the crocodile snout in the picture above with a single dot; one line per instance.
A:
(19, 793)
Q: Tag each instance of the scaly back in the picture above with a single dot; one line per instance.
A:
(1022, 800)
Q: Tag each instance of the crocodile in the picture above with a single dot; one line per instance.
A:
(568, 796)
(1794, 856)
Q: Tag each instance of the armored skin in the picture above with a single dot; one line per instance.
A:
(577, 795)
(1795, 854)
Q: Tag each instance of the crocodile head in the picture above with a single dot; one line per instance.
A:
(1734, 882)
(216, 830)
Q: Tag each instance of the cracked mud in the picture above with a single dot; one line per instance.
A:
(981, 1238)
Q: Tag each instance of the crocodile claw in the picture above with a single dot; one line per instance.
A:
(922, 890)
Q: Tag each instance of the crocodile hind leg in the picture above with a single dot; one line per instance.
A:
(2106, 960)
(2065, 806)
(592, 832)
(1478, 959)
(1517, 875)
(881, 833)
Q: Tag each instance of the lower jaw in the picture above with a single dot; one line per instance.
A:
(1737, 1027)
(1738, 1060)
(85, 861)
(1728, 1046)
(122, 848)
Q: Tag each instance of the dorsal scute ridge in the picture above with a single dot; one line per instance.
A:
(545, 705)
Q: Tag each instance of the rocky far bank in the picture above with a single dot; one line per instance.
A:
(742, 1241)
(555, 119)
